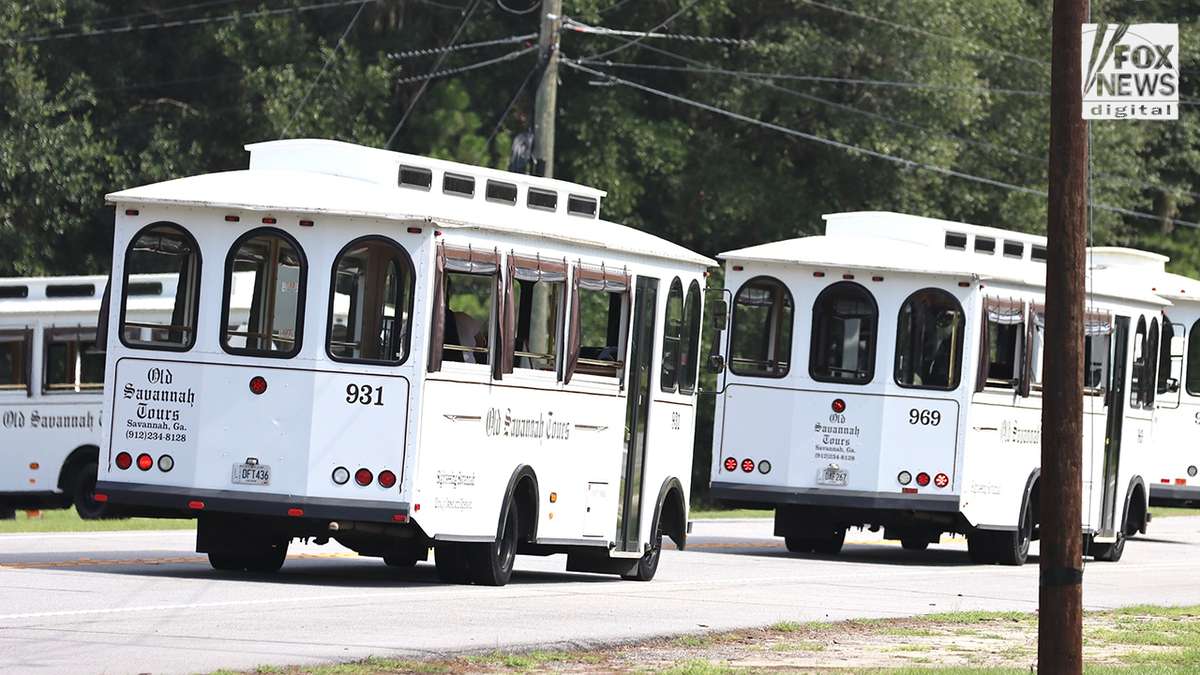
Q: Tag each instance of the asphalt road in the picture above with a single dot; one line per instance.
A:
(144, 602)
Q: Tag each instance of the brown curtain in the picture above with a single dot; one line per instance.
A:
(438, 312)
(508, 318)
(1027, 358)
(573, 332)
(985, 349)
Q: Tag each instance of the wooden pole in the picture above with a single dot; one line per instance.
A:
(547, 93)
(1060, 597)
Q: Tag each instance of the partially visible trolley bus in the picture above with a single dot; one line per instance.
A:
(888, 374)
(434, 355)
(1172, 464)
(51, 387)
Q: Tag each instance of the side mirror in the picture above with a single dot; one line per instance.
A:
(716, 364)
(720, 315)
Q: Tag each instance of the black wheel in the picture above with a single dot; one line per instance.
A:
(1109, 552)
(8, 513)
(979, 547)
(491, 564)
(83, 494)
(227, 562)
(451, 563)
(914, 544)
(831, 546)
(799, 544)
(269, 562)
(1012, 547)
(648, 564)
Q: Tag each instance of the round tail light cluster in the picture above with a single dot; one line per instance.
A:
(144, 461)
(748, 465)
(364, 477)
(923, 479)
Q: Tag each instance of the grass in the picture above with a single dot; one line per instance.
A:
(1170, 511)
(698, 514)
(67, 520)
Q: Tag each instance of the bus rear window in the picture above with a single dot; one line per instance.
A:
(761, 340)
(161, 257)
(372, 299)
(265, 277)
(845, 318)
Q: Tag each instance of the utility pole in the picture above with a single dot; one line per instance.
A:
(547, 92)
(1060, 595)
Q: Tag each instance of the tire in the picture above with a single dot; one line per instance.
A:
(799, 544)
(1109, 552)
(8, 513)
(491, 564)
(979, 547)
(914, 544)
(830, 546)
(227, 562)
(269, 562)
(648, 564)
(1012, 548)
(451, 563)
(83, 494)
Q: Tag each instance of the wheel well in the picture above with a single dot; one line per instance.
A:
(78, 457)
(672, 514)
(525, 496)
(1136, 510)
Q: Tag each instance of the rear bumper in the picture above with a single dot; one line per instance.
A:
(1162, 494)
(178, 501)
(839, 498)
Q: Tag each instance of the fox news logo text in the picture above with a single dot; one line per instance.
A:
(1130, 71)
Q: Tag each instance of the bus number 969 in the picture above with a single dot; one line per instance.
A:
(925, 418)
(364, 394)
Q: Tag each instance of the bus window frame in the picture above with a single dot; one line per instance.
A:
(24, 336)
(301, 301)
(668, 378)
(871, 352)
(539, 266)
(791, 330)
(689, 349)
(957, 351)
(409, 288)
(66, 335)
(622, 288)
(439, 304)
(1018, 383)
(183, 285)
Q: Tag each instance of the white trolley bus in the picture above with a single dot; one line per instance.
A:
(888, 374)
(1172, 465)
(51, 387)
(435, 355)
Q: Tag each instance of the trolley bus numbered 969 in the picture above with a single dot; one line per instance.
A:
(151, 435)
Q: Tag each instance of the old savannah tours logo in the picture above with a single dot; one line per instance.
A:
(1130, 71)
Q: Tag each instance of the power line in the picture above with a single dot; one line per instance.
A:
(138, 15)
(853, 148)
(578, 27)
(454, 71)
(628, 44)
(185, 22)
(464, 18)
(329, 60)
(457, 48)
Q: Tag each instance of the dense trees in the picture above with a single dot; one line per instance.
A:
(96, 95)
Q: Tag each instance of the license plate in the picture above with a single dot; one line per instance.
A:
(833, 476)
(251, 474)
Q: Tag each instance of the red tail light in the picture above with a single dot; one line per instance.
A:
(839, 406)
(363, 477)
(195, 505)
(922, 479)
(747, 465)
(145, 461)
(124, 460)
(99, 497)
(730, 464)
(258, 384)
(387, 479)
(941, 480)
(295, 512)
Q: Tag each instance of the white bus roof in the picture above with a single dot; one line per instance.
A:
(321, 177)
(1144, 270)
(886, 241)
(73, 294)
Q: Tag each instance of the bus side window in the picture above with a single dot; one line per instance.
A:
(689, 350)
(72, 361)
(761, 331)
(466, 287)
(536, 291)
(1168, 381)
(1138, 380)
(598, 324)
(1002, 347)
(929, 341)
(15, 360)
(371, 303)
(265, 280)
(1192, 372)
(161, 248)
(1097, 343)
(672, 339)
(845, 318)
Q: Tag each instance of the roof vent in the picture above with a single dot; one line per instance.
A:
(546, 200)
(458, 184)
(581, 206)
(985, 245)
(415, 177)
(144, 288)
(9, 292)
(70, 290)
(1037, 253)
(1014, 249)
(505, 193)
(956, 240)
